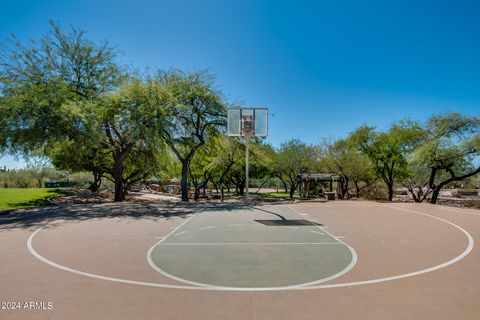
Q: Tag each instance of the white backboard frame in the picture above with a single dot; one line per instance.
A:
(235, 121)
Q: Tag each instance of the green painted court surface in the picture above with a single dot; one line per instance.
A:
(251, 247)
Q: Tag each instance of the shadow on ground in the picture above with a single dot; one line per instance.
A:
(282, 223)
(36, 217)
(79, 212)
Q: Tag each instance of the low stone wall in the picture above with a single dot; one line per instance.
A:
(460, 203)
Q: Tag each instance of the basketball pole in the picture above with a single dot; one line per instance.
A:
(247, 139)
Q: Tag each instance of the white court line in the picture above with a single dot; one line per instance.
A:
(217, 287)
(330, 206)
(410, 274)
(292, 288)
(243, 243)
(177, 234)
(97, 276)
(149, 253)
(453, 209)
(210, 227)
(340, 237)
(317, 232)
(347, 268)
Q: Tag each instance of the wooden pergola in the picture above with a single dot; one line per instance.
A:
(309, 183)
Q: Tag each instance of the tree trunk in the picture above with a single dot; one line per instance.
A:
(390, 191)
(437, 188)
(343, 190)
(184, 182)
(221, 194)
(435, 194)
(292, 190)
(97, 181)
(357, 188)
(118, 178)
(261, 186)
(241, 189)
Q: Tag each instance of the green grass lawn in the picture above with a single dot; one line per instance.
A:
(15, 198)
(276, 195)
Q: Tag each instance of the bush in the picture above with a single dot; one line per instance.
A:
(17, 179)
(375, 192)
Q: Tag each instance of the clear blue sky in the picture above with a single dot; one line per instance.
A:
(322, 67)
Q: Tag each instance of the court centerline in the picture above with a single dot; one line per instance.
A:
(243, 243)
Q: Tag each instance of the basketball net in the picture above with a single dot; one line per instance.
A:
(247, 127)
(247, 133)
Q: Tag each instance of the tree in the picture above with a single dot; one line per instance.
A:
(229, 153)
(342, 158)
(39, 170)
(389, 150)
(199, 172)
(362, 174)
(451, 150)
(130, 121)
(260, 159)
(45, 90)
(83, 155)
(293, 158)
(416, 180)
(194, 111)
(39, 79)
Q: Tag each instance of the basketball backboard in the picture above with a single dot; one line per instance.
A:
(248, 121)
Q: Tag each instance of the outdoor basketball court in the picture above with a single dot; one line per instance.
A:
(339, 260)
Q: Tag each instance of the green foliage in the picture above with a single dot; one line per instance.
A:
(389, 150)
(451, 150)
(194, 110)
(40, 83)
(293, 158)
(33, 176)
(342, 158)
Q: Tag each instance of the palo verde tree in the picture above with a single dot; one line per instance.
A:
(194, 110)
(451, 150)
(389, 150)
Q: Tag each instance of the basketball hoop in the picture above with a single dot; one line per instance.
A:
(248, 125)
(247, 122)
